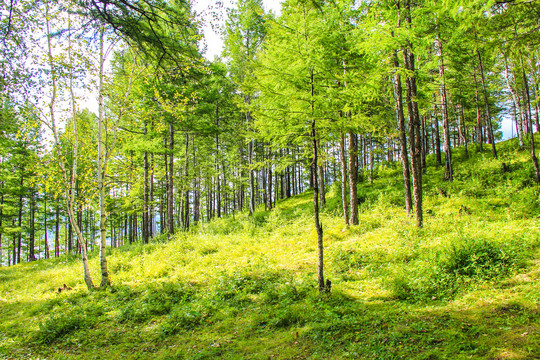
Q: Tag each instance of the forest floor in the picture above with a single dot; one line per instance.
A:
(465, 286)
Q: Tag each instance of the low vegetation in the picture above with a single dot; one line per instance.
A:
(462, 287)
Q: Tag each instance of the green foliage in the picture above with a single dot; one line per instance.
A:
(464, 265)
(219, 289)
(479, 259)
(186, 317)
(139, 305)
(55, 327)
(68, 317)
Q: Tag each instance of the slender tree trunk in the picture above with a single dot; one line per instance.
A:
(437, 132)
(345, 202)
(353, 172)
(19, 236)
(197, 192)
(486, 103)
(414, 125)
(269, 183)
(101, 171)
(252, 190)
(424, 143)
(479, 135)
(448, 171)
(32, 235)
(321, 180)
(57, 232)
(515, 99)
(529, 112)
(45, 226)
(318, 227)
(170, 185)
(398, 95)
(146, 194)
(461, 127)
(186, 196)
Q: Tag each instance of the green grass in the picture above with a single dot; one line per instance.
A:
(463, 287)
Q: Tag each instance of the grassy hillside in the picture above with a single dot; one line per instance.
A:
(463, 287)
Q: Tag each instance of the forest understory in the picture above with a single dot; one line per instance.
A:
(464, 286)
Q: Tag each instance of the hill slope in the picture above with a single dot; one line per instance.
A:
(464, 286)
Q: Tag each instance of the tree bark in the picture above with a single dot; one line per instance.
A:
(321, 179)
(186, 216)
(146, 192)
(528, 109)
(371, 158)
(437, 132)
(314, 165)
(344, 182)
(515, 99)
(414, 125)
(32, 234)
(398, 95)
(101, 171)
(353, 172)
(170, 185)
(448, 170)
(486, 103)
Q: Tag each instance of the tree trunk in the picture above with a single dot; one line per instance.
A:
(321, 180)
(269, 184)
(528, 109)
(486, 103)
(398, 94)
(437, 132)
(32, 235)
(344, 201)
(424, 144)
(45, 226)
(371, 158)
(448, 170)
(170, 185)
(101, 171)
(186, 196)
(414, 125)
(146, 192)
(318, 227)
(461, 127)
(353, 191)
(19, 236)
(69, 184)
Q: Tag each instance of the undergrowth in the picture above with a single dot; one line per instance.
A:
(463, 286)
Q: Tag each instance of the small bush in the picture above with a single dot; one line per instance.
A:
(453, 270)
(345, 260)
(133, 312)
(285, 293)
(185, 317)
(154, 300)
(58, 326)
(480, 260)
(286, 317)
(240, 283)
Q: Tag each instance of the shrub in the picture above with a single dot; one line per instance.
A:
(453, 270)
(154, 300)
(480, 260)
(57, 326)
(185, 317)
